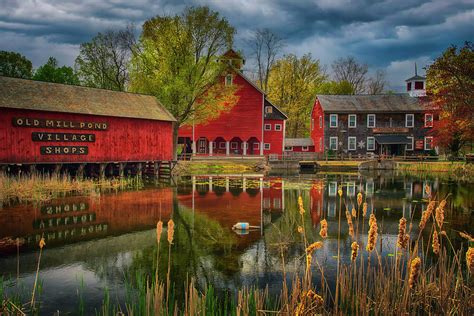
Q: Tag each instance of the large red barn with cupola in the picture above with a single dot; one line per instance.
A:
(253, 127)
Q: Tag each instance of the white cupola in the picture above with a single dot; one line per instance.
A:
(416, 85)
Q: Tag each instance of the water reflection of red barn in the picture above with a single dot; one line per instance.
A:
(316, 201)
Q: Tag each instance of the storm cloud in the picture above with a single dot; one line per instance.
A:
(390, 35)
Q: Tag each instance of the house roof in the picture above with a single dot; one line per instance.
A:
(298, 142)
(45, 96)
(370, 103)
(416, 77)
(276, 114)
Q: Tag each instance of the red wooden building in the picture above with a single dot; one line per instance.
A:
(44, 123)
(254, 126)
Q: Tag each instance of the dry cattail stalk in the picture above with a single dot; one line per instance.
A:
(159, 230)
(359, 199)
(372, 239)
(415, 268)
(439, 214)
(470, 260)
(425, 216)
(364, 209)
(355, 250)
(309, 258)
(349, 223)
(170, 231)
(42, 243)
(402, 240)
(300, 229)
(315, 298)
(299, 309)
(428, 190)
(314, 246)
(466, 236)
(354, 212)
(324, 229)
(339, 191)
(435, 243)
(300, 205)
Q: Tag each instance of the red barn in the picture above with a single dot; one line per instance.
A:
(254, 126)
(44, 122)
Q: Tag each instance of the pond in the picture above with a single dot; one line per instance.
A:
(96, 244)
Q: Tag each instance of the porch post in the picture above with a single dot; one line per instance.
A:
(227, 148)
(210, 148)
(244, 144)
(261, 149)
(210, 184)
(244, 184)
(227, 184)
(193, 147)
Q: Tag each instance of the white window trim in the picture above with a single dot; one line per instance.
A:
(427, 115)
(373, 138)
(266, 146)
(278, 127)
(229, 82)
(411, 144)
(304, 148)
(431, 143)
(222, 145)
(320, 121)
(375, 122)
(349, 121)
(349, 143)
(330, 120)
(256, 146)
(412, 120)
(234, 145)
(330, 138)
(267, 127)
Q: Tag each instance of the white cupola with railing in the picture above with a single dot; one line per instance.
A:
(416, 85)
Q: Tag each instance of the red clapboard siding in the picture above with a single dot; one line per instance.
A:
(126, 139)
(317, 132)
(274, 137)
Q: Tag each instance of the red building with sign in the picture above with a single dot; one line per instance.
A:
(44, 122)
(254, 126)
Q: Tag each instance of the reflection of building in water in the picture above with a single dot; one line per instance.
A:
(71, 219)
(316, 201)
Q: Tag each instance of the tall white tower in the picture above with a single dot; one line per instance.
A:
(416, 85)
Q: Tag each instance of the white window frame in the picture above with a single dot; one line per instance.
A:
(407, 148)
(256, 146)
(234, 145)
(278, 127)
(266, 146)
(320, 121)
(368, 121)
(412, 120)
(268, 109)
(288, 148)
(330, 120)
(426, 121)
(349, 143)
(331, 138)
(349, 120)
(267, 127)
(304, 148)
(431, 142)
(222, 145)
(373, 139)
(229, 79)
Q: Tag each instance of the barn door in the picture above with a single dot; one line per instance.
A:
(202, 146)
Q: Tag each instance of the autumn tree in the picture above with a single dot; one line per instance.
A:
(292, 84)
(14, 65)
(177, 61)
(450, 88)
(266, 46)
(335, 87)
(50, 72)
(103, 62)
(350, 70)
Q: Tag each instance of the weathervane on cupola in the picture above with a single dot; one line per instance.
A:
(416, 85)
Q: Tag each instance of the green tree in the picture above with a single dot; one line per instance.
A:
(14, 65)
(103, 62)
(177, 60)
(291, 85)
(450, 87)
(50, 72)
(335, 87)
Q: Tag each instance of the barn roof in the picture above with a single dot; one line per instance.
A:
(370, 103)
(45, 96)
(416, 77)
(298, 142)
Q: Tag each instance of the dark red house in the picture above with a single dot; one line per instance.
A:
(254, 126)
(44, 122)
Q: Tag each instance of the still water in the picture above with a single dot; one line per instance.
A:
(95, 243)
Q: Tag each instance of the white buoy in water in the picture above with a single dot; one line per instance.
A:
(243, 226)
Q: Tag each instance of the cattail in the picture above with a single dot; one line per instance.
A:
(42, 243)
(315, 298)
(313, 247)
(300, 205)
(339, 191)
(402, 239)
(359, 199)
(355, 250)
(354, 212)
(415, 267)
(170, 231)
(439, 214)
(467, 236)
(309, 258)
(324, 229)
(364, 209)
(428, 190)
(349, 223)
(425, 216)
(470, 260)
(159, 230)
(435, 243)
(300, 229)
(372, 239)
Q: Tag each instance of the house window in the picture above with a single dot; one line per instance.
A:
(428, 143)
(234, 145)
(333, 143)
(352, 121)
(256, 146)
(228, 80)
(409, 146)
(351, 143)
(428, 120)
(370, 120)
(288, 148)
(370, 143)
(320, 122)
(419, 85)
(409, 86)
(304, 148)
(268, 127)
(333, 120)
(409, 120)
(277, 127)
(268, 109)
(266, 146)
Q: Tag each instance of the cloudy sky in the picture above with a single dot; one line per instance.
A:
(390, 34)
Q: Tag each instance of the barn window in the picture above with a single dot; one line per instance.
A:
(409, 146)
(304, 148)
(228, 80)
(256, 146)
(277, 127)
(409, 86)
(428, 120)
(428, 143)
(409, 120)
(267, 146)
(222, 145)
(352, 121)
(233, 145)
(333, 143)
(288, 148)
(370, 120)
(268, 109)
(320, 122)
(419, 85)
(333, 120)
(370, 143)
(268, 127)
(351, 141)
